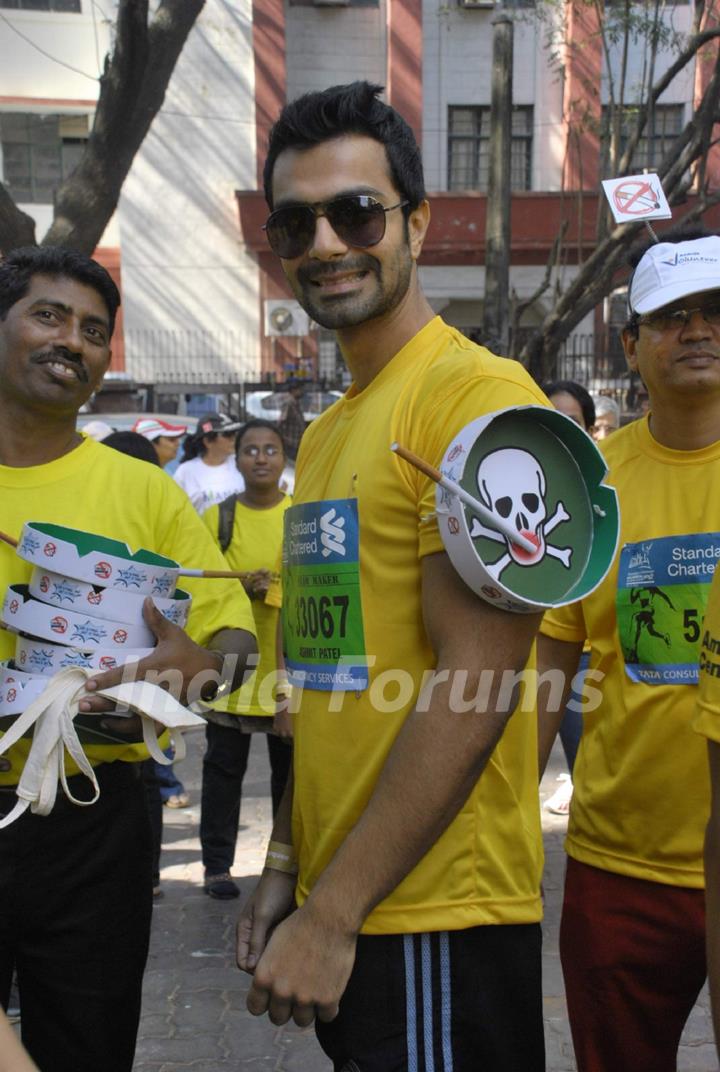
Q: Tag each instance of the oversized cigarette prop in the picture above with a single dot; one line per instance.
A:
(522, 510)
(38, 544)
(476, 506)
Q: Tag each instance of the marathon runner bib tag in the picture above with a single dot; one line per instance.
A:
(663, 589)
(323, 631)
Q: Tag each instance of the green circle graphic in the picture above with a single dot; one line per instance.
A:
(548, 581)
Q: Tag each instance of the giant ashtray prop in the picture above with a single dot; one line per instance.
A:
(522, 509)
(81, 614)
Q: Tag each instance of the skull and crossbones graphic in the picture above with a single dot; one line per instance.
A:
(512, 484)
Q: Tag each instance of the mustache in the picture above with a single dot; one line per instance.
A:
(316, 271)
(61, 353)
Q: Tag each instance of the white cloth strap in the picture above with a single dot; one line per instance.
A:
(52, 715)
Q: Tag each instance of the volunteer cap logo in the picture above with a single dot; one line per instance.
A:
(671, 271)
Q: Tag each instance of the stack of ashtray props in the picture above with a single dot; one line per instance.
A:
(82, 607)
(82, 612)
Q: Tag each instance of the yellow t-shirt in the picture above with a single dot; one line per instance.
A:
(485, 868)
(100, 490)
(256, 544)
(707, 710)
(641, 788)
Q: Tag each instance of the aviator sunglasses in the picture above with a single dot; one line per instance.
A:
(357, 219)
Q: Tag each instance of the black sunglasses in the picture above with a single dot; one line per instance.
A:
(357, 219)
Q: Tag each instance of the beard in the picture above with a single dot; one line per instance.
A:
(390, 283)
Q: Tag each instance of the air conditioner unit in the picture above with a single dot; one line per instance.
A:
(476, 3)
(284, 316)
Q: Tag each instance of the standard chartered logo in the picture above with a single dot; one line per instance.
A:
(332, 536)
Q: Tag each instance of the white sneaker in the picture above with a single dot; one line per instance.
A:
(559, 802)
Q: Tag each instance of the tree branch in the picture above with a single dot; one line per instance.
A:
(132, 91)
(16, 227)
(695, 43)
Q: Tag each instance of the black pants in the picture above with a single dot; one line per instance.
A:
(452, 1001)
(154, 804)
(224, 767)
(75, 910)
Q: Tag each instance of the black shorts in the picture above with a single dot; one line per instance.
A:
(448, 1001)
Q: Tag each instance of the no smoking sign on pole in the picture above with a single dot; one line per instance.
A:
(637, 197)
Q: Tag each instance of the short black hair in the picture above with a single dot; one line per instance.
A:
(579, 393)
(688, 232)
(351, 109)
(259, 422)
(134, 444)
(18, 267)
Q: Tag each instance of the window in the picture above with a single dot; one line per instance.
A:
(668, 123)
(42, 5)
(39, 151)
(469, 147)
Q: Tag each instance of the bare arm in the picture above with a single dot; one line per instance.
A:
(553, 656)
(13, 1057)
(430, 771)
(712, 887)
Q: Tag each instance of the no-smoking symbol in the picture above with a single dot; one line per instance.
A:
(636, 198)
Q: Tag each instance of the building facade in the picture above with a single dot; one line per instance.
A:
(203, 297)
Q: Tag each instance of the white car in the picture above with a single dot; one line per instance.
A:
(266, 405)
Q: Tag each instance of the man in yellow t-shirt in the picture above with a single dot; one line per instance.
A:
(414, 812)
(75, 886)
(631, 939)
(707, 723)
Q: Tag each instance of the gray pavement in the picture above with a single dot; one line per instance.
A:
(194, 1015)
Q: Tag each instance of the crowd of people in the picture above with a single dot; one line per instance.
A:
(400, 903)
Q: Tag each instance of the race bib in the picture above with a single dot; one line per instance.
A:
(323, 632)
(663, 588)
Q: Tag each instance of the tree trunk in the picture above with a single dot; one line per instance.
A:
(132, 90)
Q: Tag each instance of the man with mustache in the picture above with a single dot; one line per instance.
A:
(76, 885)
(632, 933)
(413, 816)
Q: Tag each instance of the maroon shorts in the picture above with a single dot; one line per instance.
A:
(633, 958)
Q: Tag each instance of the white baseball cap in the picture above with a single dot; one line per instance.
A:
(672, 270)
(153, 428)
(97, 430)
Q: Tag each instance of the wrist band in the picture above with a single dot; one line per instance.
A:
(281, 858)
(283, 690)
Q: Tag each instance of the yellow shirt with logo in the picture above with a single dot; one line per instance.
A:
(485, 868)
(641, 787)
(256, 544)
(99, 490)
(707, 711)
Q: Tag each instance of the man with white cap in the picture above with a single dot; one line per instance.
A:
(632, 933)
(163, 436)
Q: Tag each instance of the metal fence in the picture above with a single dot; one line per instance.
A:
(189, 357)
(173, 362)
(597, 361)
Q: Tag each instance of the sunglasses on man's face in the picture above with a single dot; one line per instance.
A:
(357, 219)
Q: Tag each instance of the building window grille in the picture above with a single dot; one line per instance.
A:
(655, 141)
(39, 152)
(469, 147)
(42, 5)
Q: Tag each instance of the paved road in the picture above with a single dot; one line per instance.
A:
(194, 1003)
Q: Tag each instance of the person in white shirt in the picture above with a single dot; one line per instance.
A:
(207, 472)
